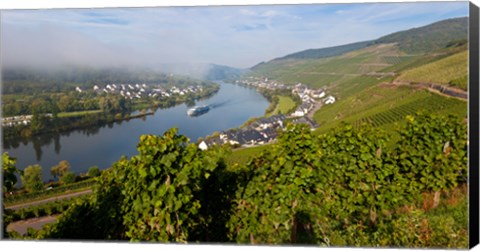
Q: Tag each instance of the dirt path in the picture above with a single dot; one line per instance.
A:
(443, 90)
(35, 223)
(44, 201)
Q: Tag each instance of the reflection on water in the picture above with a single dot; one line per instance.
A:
(103, 145)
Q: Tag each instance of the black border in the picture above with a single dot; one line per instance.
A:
(473, 126)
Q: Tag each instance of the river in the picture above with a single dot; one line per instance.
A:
(231, 106)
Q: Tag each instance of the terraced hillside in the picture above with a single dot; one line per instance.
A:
(384, 105)
(330, 72)
(365, 80)
(451, 70)
(374, 61)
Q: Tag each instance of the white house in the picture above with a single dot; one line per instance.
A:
(329, 100)
(318, 94)
(203, 146)
(298, 113)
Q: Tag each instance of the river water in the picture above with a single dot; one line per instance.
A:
(231, 106)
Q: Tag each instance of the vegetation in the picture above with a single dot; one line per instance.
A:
(384, 105)
(431, 37)
(93, 171)
(341, 188)
(327, 52)
(47, 209)
(60, 170)
(32, 178)
(284, 105)
(376, 173)
(9, 172)
(431, 104)
(448, 71)
(43, 194)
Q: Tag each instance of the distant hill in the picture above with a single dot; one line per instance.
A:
(222, 72)
(203, 71)
(327, 52)
(31, 80)
(424, 39)
(429, 38)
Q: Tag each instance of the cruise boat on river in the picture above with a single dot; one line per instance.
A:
(198, 110)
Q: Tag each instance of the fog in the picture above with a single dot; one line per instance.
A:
(189, 39)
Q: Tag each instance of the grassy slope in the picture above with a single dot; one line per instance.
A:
(77, 114)
(441, 72)
(285, 103)
(331, 72)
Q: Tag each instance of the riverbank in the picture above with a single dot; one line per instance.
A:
(103, 145)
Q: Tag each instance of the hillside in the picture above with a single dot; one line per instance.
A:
(364, 80)
(364, 64)
(30, 80)
(327, 52)
(451, 70)
(431, 37)
(413, 41)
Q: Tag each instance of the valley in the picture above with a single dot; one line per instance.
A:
(362, 144)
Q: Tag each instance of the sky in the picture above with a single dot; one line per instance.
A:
(236, 36)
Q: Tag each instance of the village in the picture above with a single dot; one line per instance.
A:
(266, 129)
(131, 91)
(128, 91)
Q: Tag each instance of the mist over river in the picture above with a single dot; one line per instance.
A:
(231, 106)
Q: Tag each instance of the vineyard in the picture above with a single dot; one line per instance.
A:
(396, 59)
(430, 104)
(340, 188)
(442, 71)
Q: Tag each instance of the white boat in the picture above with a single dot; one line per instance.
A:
(198, 110)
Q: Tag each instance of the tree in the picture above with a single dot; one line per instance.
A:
(94, 171)
(32, 178)
(68, 178)
(9, 170)
(60, 170)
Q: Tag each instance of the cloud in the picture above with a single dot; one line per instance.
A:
(230, 35)
(247, 12)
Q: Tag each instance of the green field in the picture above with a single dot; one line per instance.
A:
(77, 114)
(242, 155)
(443, 71)
(284, 105)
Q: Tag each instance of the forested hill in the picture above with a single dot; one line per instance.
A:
(25, 80)
(327, 52)
(416, 40)
(431, 37)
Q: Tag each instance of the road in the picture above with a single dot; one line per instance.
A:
(315, 108)
(35, 223)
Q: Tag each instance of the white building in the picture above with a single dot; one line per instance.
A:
(203, 146)
(329, 100)
(298, 113)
